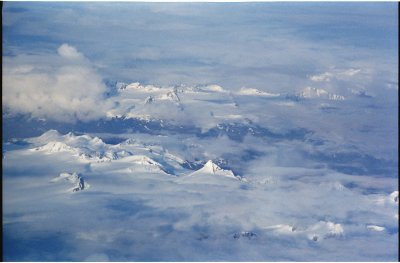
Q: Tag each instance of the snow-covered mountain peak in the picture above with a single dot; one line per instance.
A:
(73, 178)
(142, 159)
(149, 100)
(213, 87)
(134, 85)
(144, 163)
(375, 228)
(211, 168)
(120, 85)
(82, 140)
(256, 92)
(311, 93)
(50, 135)
(394, 197)
(324, 230)
(55, 146)
(85, 147)
(171, 96)
(97, 141)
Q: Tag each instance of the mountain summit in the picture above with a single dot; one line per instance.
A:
(210, 168)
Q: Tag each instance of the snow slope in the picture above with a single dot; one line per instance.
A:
(211, 168)
(312, 93)
(137, 208)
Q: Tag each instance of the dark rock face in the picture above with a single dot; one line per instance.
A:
(245, 234)
(80, 186)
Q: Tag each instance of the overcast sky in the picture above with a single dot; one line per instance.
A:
(270, 46)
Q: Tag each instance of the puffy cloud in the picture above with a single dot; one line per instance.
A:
(53, 87)
(334, 74)
(322, 77)
(69, 52)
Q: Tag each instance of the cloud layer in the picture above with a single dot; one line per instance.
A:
(63, 87)
(297, 209)
(268, 46)
(304, 110)
(252, 45)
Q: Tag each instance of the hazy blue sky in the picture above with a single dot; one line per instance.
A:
(272, 46)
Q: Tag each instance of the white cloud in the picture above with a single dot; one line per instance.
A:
(335, 74)
(133, 223)
(47, 86)
(350, 72)
(69, 52)
(326, 77)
